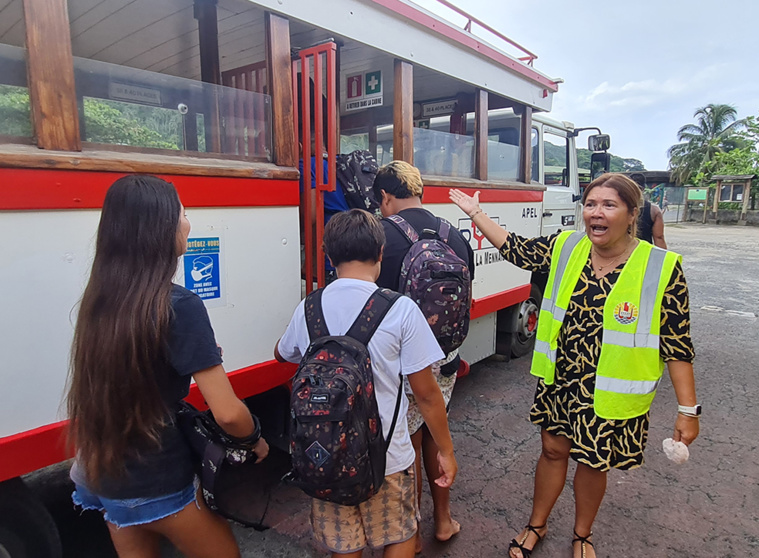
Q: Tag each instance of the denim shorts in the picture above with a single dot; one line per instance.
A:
(135, 511)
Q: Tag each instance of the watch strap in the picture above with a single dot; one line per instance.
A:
(693, 411)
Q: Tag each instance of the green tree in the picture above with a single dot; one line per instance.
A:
(716, 131)
(618, 164)
(119, 123)
(739, 161)
(15, 114)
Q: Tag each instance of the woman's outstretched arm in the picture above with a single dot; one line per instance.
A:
(470, 205)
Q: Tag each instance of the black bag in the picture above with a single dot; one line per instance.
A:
(356, 172)
(215, 449)
(338, 450)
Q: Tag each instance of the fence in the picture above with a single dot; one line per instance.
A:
(672, 202)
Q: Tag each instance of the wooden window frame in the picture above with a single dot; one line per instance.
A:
(53, 98)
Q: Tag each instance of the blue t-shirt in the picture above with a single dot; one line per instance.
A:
(334, 202)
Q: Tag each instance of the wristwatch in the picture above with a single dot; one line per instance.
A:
(694, 411)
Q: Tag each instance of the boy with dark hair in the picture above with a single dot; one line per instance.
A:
(402, 346)
(398, 187)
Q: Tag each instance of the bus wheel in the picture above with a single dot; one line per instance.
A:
(523, 340)
(27, 529)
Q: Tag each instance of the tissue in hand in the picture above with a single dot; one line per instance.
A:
(675, 451)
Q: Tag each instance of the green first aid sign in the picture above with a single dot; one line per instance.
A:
(373, 83)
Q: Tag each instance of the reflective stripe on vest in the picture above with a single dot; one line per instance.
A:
(629, 367)
(549, 309)
(638, 387)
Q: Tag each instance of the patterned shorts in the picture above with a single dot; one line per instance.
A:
(446, 383)
(388, 517)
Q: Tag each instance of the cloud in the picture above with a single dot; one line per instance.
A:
(648, 92)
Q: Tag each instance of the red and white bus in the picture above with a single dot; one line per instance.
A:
(216, 96)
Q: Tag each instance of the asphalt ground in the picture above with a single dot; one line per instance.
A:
(707, 507)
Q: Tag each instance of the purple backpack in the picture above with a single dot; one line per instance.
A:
(434, 277)
(337, 447)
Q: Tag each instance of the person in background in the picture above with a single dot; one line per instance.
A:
(138, 341)
(399, 188)
(403, 345)
(651, 221)
(610, 299)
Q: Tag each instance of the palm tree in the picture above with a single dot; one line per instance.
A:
(716, 131)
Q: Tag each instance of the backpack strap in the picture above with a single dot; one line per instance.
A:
(371, 316)
(395, 414)
(405, 227)
(315, 322)
(443, 229)
(377, 306)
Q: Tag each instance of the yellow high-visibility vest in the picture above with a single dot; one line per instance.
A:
(629, 366)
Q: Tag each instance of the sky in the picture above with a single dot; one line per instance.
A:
(638, 69)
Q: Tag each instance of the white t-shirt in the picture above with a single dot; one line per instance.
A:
(403, 344)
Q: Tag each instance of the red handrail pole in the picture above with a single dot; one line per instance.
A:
(308, 237)
(295, 99)
(319, 162)
(331, 118)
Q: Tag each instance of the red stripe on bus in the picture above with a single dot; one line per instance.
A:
(31, 450)
(467, 40)
(28, 189)
(439, 194)
(489, 304)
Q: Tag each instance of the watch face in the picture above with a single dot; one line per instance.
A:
(697, 408)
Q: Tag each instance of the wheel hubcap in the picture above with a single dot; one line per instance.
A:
(528, 319)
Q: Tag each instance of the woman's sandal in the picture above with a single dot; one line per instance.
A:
(520, 545)
(583, 541)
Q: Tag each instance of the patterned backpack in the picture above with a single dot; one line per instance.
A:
(338, 450)
(434, 277)
(216, 452)
(356, 172)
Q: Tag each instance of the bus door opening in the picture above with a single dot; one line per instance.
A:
(315, 123)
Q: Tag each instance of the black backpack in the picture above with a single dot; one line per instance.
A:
(336, 443)
(216, 452)
(356, 172)
(434, 277)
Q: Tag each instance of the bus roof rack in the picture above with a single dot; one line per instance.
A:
(529, 57)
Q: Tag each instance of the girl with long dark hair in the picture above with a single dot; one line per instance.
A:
(139, 339)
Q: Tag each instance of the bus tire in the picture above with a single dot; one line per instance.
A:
(523, 337)
(27, 530)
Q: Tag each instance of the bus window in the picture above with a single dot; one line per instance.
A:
(15, 112)
(503, 145)
(140, 87)
(535, 177)
(555, 164)
(441, 153)
(351, 141)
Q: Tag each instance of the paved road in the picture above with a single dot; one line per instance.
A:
(707, 507)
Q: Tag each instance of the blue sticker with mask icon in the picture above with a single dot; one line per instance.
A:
(201, 267)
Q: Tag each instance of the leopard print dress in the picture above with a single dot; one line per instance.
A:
(566, 407)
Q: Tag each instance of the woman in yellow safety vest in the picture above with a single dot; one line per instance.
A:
(614, 310)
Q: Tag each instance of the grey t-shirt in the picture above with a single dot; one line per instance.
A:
(154, 472)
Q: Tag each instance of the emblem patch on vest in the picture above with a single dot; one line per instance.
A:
(626, 313)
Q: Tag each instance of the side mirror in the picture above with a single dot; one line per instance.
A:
(599, 164)
(599, 142)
